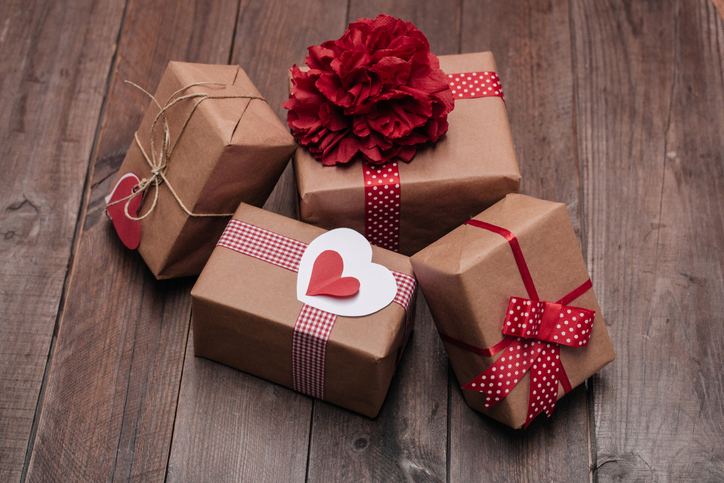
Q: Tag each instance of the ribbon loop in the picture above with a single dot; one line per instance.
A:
(548, 322)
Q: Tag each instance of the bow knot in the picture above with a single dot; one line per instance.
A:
(158, 161)
(548, 322)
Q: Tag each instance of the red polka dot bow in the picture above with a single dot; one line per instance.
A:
(534, 331)
(540, 327)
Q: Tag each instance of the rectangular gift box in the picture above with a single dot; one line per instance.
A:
(472, 279)
(232, 150)
(467, 170)
(245, 308)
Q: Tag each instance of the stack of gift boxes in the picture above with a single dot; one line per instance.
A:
(406, 174)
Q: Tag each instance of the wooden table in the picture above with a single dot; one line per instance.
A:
(617, 110)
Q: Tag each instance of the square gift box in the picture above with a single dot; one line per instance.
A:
(467, 170)
(216, 144)
(248, 313)
(512, 300)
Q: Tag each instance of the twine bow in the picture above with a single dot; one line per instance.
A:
(158, 162)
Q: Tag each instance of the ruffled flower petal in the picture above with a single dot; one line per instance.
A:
(376, 92)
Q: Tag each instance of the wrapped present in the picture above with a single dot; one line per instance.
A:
(207, 142)
(513, 302)
(321, 312)
(374, 162)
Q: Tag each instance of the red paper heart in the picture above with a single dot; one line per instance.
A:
(327, 277)
(129, 231)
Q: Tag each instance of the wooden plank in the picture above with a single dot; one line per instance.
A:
(232, 426)
(55, 59)
(532, 47)
(407, 440)
(650, 100)
(112, 390)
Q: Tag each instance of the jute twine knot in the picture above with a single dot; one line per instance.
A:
(158, 162)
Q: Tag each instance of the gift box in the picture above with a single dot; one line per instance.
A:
(512, 300)
(271, 301)
(207, 142)
(466, 171)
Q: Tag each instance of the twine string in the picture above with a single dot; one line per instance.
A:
(158, 162)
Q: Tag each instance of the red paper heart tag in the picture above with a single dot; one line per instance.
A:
(327, 277)
(129, 231)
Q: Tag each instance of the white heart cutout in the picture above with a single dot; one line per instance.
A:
(378, 287)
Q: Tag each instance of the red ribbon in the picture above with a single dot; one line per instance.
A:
(382, 183)
(475, 84)
(534, 331)
(382, 205)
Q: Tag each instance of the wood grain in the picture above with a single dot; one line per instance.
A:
(271, 37)
(233, 426)
(54, 63)
(629, 94)
(531, 44)
(407, 440)
(650, 100)
(112, 390)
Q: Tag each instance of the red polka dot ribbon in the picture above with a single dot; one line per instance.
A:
(382, 183)
(382, 205)
(475, 84)
(313, 326)
(534, 331)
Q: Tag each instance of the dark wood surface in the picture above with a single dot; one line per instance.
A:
(617, 110)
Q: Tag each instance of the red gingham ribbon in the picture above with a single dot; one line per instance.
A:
(313, 326)
(534, 331)
(309, 349)
(383, 194)
(262, 244)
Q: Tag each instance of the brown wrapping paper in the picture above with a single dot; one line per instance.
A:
(445, 184)
(232, 151)
(469, 276)
(244, 310)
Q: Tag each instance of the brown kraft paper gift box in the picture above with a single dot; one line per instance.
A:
(232, 150)
(446, 183)
(244, 312)
(469, 276)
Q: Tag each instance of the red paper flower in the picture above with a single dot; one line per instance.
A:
(377, 91)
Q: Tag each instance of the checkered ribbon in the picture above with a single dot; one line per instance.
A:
(262, 244)
(383, 193)
(313, 326)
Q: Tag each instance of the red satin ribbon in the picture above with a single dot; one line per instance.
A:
(534, 331)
